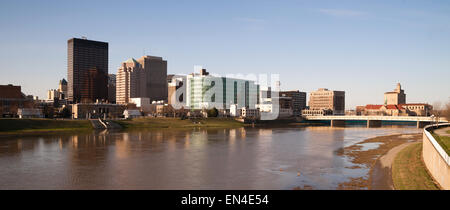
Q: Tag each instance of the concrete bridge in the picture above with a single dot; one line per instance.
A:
(374, 121)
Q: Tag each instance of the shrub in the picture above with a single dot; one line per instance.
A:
(213, 112)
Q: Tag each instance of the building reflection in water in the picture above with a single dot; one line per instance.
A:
(241, 158)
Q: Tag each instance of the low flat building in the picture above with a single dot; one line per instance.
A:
(396, 110)
(249, 113)
(285, 106)
(372, 110)
(12, 99)
(132, 113)
(164, 110)
(235, 111)
(320, 112)
(97, 110)
(384, 110)
(418, 109)
(143, 104)
(30, 113)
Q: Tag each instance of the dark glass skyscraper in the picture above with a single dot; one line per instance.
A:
(87, 70)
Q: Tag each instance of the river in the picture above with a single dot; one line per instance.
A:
(243, 158)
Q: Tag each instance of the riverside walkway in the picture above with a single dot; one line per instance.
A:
(442, 131)
(104, 124)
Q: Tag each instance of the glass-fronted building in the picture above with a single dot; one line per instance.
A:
(206, 91)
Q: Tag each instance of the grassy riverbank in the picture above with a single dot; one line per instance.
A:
(368, 158)
(409, 172)
(34, 126)
(159, 123)
(444, 141)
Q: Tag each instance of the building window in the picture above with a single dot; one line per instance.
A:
(224, 91)
(235, 92)
(246, 94)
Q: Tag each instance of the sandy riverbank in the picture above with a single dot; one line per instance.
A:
(378, 160)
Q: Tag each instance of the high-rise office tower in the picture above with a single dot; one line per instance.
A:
(142, 78)
(62, 88)
(156, 79)
(87, 70)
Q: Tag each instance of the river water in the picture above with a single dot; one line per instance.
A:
(243, 158)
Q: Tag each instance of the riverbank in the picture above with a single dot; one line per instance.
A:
(409, 171)
(442, 136)
(15, 127)
(161, 123)
(11, 126)
(378, 177)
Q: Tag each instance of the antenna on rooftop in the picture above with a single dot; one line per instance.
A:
(83, 37)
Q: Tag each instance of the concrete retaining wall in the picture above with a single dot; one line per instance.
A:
(436, 159)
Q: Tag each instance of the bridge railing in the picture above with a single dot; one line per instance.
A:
(371, 117)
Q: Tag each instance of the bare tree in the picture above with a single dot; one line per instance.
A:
(437, 109)
(437, 105)
(446, 112)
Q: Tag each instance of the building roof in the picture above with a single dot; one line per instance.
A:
(170, 76)
(416, 104)
(130, 60)
(132, 112)
(393, 107)
(63, 82)
(376, 107)
(372, 106)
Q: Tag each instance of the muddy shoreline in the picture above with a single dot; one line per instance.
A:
(377, 160)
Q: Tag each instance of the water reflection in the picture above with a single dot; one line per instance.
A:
(243, 158)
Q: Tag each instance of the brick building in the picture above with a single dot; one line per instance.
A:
(12, 99)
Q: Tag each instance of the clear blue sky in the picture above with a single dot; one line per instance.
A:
(362, 47)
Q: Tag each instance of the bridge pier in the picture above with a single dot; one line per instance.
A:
(421, 124)
(337, 123)
(373, 123)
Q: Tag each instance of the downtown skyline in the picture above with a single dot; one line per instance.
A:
(350, 46)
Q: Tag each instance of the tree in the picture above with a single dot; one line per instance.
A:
(437, 109)
(446, 112)
(65, 113)
(437, 106)
(213, 112)
(48, 111)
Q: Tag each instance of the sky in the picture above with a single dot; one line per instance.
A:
(361, 47)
